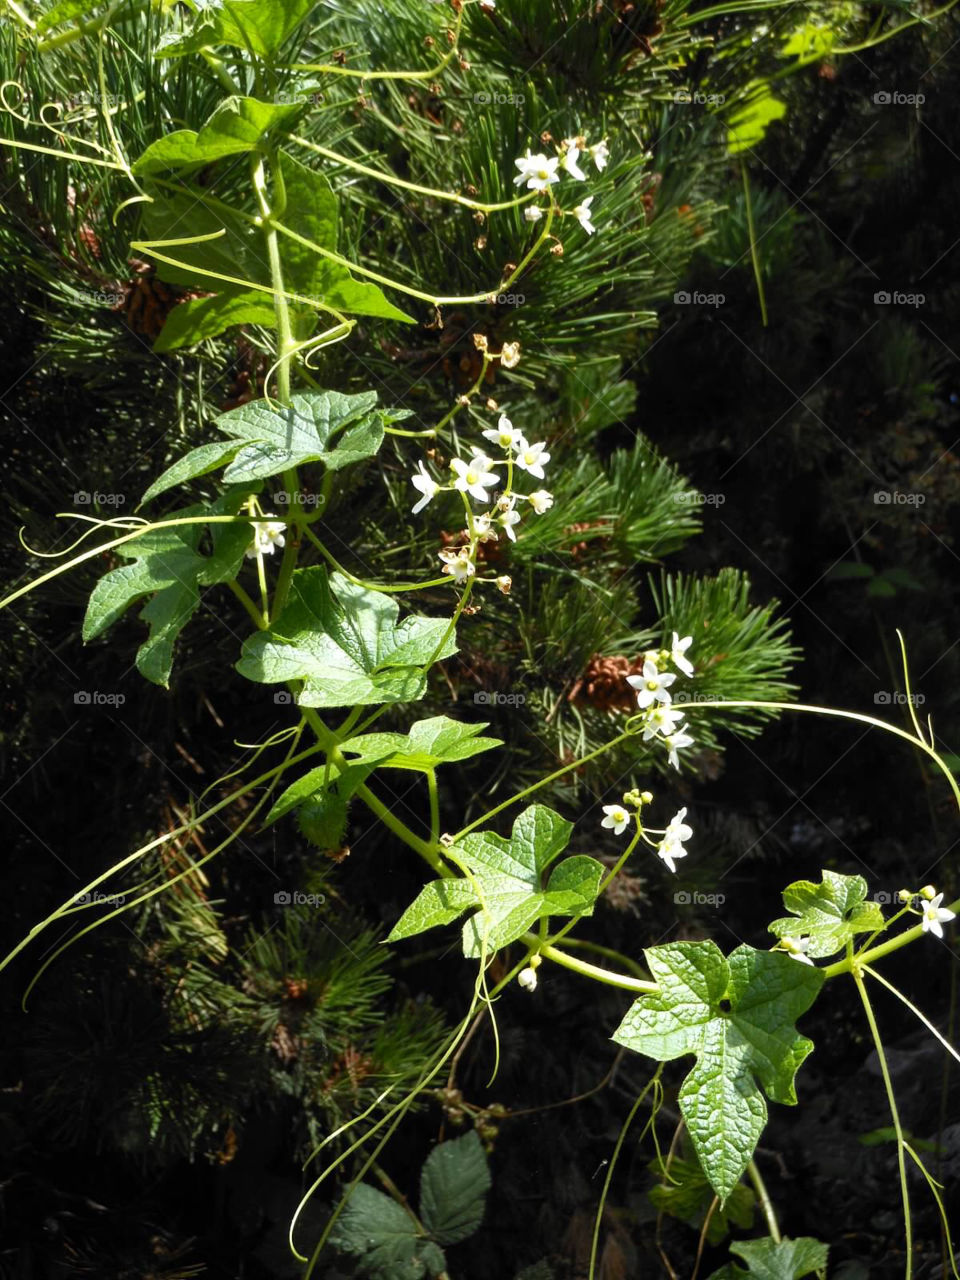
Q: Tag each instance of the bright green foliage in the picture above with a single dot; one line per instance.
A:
(325, 780)
(830, 914)
(388, 1239)
(260, 26)
(509, 876)
(453, 1188)
(345, 644)
(747, 125)
(195, 319)
(737, 1015)
(767, 1260)
(169, 566)
(427, 743)
(686, 1193)
(237, 126)
(318, 426)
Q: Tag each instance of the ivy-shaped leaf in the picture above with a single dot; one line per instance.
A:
(168, 566)
(318, 426)
(453, 1189)
(737, 1016)
(425, 745)
(769, 1260)
(509, 874)
(236, 127)
(830, 914)
(345, 644)
(686, 1193)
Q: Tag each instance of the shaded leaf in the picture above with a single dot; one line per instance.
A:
(195, 319)
(453, 1189)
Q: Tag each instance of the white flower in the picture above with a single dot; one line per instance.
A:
(934, 915)
(582, 215)
(570, 158)
(677, 832)
(427, 486)
(489, 5)
(473, 477)
(531, 458)
(504, 434)
(652, 686)
(458, 564)
(533, 213)
(677, 651)
(797, 948)
(527, 979)
(600, 154)
(618, 818)
(267, 534)
(669, 850)
(661, 719)
(507, 519)
(540, 500)
(676, 741)
(482, 529)
(538, 171)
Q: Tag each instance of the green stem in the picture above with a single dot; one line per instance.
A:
(256, 616)
(754, 257)
(894, 1113)
(434, 806)
(607, 952)
(766, 1204)
(605, 976)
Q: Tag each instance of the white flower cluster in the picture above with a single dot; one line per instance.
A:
(267, 534)
(478, 477)
(540, 172)
(673, 837)
(654, 698)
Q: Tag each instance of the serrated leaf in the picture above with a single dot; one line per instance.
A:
(427, 744)
(687, 1194)
(324, 779)
(345, 645)
(737, 1016)
(169, 567)
(748, 124)
(830, 913)
(453, 1189)
(312, 211)
(509, 874)
(196, 319)
(379, 1231)
(237, 126)
(257, 26)
(318, 426)
(788, 1260)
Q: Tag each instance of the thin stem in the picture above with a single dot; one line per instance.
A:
(606, 976)
(586, 944)
(256, 616)
(434, 806)
(766, 1204)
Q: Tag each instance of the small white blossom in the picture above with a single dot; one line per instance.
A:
(473, 477)
(538, 171)
(507, 519)
(504, 434)
(675, 742)
(532, 458)
(427, 486)
(533, 213)
(541, 501)
(600, 154)
(527, 978)
(618, 818)
(652, 686)
(482, 528)
(458, 564)
(671, 846)
(661, 719)
(934, 915)
(797, 949)
(582, 215)
(677, 651)
(570, 158)
(267, 534)
(488, 5)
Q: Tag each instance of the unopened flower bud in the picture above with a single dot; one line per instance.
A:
(480, 341)
(492, 406)
(928, 892)
(557, 249)
(646, 797)
(527, 979)
(904, 895)
(446, 840)
(504, 583)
